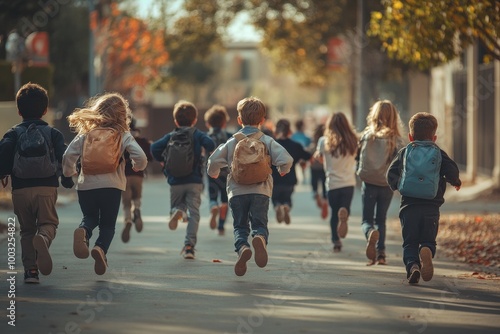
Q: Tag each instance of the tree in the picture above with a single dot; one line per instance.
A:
(429, 33)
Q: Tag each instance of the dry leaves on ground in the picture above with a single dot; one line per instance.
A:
(472, 239)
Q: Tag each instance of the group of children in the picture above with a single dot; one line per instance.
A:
(237, 184)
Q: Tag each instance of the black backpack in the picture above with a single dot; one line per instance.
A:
(34, 155)
(220, 137)
(178, 155)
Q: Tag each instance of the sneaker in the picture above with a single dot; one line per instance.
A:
(337, 246)
(259, 246)
(174, 219)
(214, 211)
(126, 232)
(31, 276)
(426, 262)
(371, 251)
(221, 232)
(101, 263)
(80, 243)
(286, 214)
(319, 200)
(279, 213)
(342, 226)
(381, 258)
(223, 211)
(244, 254)
(188, 252)
(43, 259)
(324, 209)
(414, 275)
(137, 219)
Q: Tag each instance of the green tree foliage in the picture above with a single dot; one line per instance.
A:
(429, 32)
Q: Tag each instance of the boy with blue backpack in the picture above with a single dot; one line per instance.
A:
(180, 154)
(420, 172)
(31, 153)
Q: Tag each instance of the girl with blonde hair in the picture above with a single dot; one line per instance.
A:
(99, 194)
(337, 150)
(379, 143)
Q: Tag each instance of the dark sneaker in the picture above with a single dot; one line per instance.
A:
(342, 226)
(126, 232)
(221, 232)
(279, 213)
(214, 211)
(259, 246)
(381, 257)
(244, 254)
(174, 219)
(188, 252)
(101, 263)
(337, 246)
(371, 251)
(31, 276)
(80, 243)
(43, 259)
(426, 262)
(286, 214)
(414, 275)
(137, 219)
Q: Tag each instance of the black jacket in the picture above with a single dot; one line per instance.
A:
(448, 173)
(7, 150)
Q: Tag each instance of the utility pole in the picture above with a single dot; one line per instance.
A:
(92, 78)
(359, 76)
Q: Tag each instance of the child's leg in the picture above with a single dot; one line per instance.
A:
(136, 191)
(90, 210)
(339, 198)
(108, 200)
(223, 208)
(193, 201)
(21, 199)
(383, 202)
(410, 229)
(430, 228)
(127, 201)
(258, 209)
(213, 192)
(368, 202)
(240, 209)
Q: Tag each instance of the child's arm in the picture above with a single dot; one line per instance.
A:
(217, 160)
(158, 146)
(136, 153)
(206, 142)
(71, 155)
(394, 171)
(280, 158)
(7, 147)
(449, 170)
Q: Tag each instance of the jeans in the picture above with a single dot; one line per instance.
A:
(132, 196)
(187, 197)
(282, 194)
(216, 187)
(378, 197)
(318, 175)
(100, 208)
(419, 224)
(339, 198)
(249, 211)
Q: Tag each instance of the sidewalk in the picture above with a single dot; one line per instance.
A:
(305, 288)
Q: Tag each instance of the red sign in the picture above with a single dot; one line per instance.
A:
(37, 44)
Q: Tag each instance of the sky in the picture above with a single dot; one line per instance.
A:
(239, 31)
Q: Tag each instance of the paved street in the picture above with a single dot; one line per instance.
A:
(305, 288)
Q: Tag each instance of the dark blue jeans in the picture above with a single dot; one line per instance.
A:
(249, 211)
(317, 176)
(419, 224)
(282, 194)
(379, 198)
(339, 198)
(217, 187)
(100, 208)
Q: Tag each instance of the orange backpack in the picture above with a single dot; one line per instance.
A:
(101, 151)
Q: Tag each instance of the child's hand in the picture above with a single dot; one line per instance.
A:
(214, 176)
(457, 187)
(282, 174)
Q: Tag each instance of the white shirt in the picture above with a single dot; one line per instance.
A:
(340, 171)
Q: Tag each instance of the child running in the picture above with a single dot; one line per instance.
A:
(249, 190)
(337, 149)
(379, 143)
(419, 216)
(99, 194)
(216, 119)
(318, 176)
(283, 187)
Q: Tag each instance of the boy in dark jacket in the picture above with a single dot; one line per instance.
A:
(420, 217)
(185, 192)
(34, 197)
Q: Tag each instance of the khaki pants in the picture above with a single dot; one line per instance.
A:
(36, 210)
(132, 195)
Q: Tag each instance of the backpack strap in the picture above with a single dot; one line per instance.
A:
(239, 136)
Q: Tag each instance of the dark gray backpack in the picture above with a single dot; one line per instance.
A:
(178, 156)
(373, 164)
(34, 155)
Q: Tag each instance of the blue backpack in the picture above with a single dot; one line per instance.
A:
(421, 165)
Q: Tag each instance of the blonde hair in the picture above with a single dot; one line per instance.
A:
(383, 121)
(109, 110)
(340, 136)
